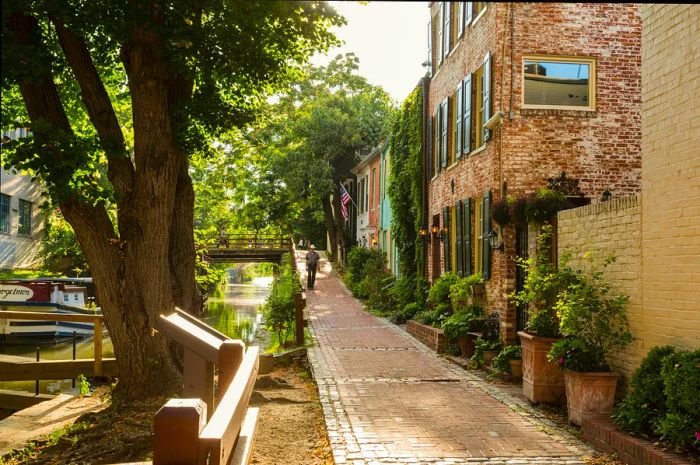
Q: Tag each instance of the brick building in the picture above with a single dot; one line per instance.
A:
(518, 94)
(367, 185)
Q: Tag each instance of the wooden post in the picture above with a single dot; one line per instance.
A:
(230, 358)
(199, 379)
(299, 304)
(177, 426)
(97, 339)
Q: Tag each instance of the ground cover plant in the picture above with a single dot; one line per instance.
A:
(279, 308)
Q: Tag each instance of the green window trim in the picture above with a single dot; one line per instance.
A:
(5, 213)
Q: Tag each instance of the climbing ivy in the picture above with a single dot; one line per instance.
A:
(405, 181)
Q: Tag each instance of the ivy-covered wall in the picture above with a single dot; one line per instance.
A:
(405, 181)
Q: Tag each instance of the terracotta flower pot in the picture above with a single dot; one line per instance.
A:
(516, 368)
(589, 394)
(543, 381)
(488, 356)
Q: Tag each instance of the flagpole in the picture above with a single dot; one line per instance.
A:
(353, 202)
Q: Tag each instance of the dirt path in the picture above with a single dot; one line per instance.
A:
(290, 427)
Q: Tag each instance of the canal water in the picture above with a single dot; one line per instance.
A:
(236, 312)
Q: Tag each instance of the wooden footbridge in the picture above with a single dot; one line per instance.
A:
(244, 248)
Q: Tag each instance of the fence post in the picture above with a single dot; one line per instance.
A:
(176, 431)
(230, 358)
(299, 304)
(97, 340)
(199, 379)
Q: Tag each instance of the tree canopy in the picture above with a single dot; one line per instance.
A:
(118, 96)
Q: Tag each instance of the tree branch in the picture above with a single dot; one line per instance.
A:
(99, 107)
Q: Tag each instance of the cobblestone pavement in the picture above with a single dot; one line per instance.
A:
(387, 399)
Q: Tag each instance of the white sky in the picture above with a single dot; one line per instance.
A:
(389, 38)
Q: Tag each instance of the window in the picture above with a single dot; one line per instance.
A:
(440, 39)
(451, 130)
(25, 218)
(446, 10)
(559, 82)
(4, 213)
(457, 138)
(477, 8)
(366, 199)
(444, 120)
(478, 251)
(478, 104)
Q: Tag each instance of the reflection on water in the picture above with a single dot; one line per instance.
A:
(237, 313)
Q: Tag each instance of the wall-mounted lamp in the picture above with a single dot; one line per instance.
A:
(423, 233)
(444, 234)
(435, 230)
(495, 242)
(374, 241)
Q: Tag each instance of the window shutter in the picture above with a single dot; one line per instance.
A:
(430, 148)
(468, 13)
(487, 94)
(486, 215)
(467, 236)
(443, 143)
(467, 114)
(447, 31)
(446, 241)
(430, 46)
(438, 139)
(459, 243)
(458, 122)
(441, 28)
(460, 19)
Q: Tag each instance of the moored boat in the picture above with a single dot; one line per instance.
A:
(45, 296)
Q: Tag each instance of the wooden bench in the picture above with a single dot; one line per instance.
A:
(193, 430)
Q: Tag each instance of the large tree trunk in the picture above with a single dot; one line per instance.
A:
(330, 227)
(148, 267)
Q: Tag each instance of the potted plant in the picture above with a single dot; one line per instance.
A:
(458, 325)
(594, 325)
(542, 380)
(509, 359)
(489, 343)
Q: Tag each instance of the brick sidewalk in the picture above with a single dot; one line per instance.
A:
(388, 399)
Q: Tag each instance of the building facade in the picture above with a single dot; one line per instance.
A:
(21, 222)
(366, 173)
(387, 244)
(520, 93)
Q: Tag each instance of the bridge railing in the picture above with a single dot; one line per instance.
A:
(245, 241)
(189, 429)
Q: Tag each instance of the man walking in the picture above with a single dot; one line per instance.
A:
(312, 259)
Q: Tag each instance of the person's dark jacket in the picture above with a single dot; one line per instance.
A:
(312, 259)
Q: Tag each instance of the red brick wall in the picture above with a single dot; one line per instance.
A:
(432, 337)
(601, 148)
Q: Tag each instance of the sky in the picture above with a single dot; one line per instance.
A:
(389, 38)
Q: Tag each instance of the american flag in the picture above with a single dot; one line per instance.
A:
(344, 201)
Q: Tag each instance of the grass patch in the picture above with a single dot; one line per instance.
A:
(27, 274)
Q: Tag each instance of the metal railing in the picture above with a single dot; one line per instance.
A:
(245, 241)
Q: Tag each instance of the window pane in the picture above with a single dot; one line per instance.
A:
(4, 213)
(25, 218)
(555, 83)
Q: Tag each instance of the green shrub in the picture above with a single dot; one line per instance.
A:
(482, 345)
(440, 291)
(460, 323)
(501, 362)
(406, 313)
(646, 402)
(426, 317)
(360, 261)
(279, 308)
(461, 292)
(491, 328)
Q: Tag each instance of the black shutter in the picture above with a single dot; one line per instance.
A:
(467, 114)
(467, 236)
(446, 238)
(441, 27)
(486, 215)
(430, 148)
(444, 123)
(458, 122)
(459, 243)
(487, 94)
(447, 31)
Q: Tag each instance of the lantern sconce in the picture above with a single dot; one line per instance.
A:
(435, 230)
(444, 234)
(495, 241)
(423, 233)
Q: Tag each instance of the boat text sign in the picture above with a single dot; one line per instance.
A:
(15, 293)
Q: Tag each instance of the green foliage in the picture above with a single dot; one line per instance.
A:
(440, 291)
(60, 250)
(461, 292)
(647, 402)
(362, 261)
(492, 327)
(279, 308)
(542, 286)
(461, 322)
(406, 181)
(544, 205)
(406, 313)
(593, 321)
(664, 398)
(501, 362)
(483, 345)
(83, 385)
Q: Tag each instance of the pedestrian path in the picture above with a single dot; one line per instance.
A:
(387, 399)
